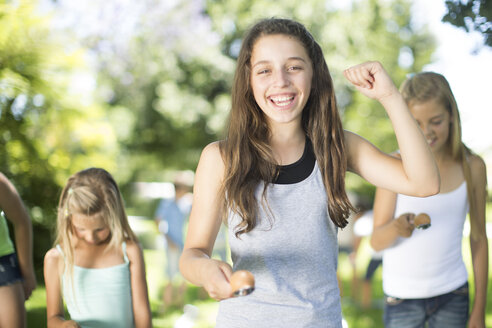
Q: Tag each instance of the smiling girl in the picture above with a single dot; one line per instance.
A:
(424, 276)
(97, 265)
(277, 180)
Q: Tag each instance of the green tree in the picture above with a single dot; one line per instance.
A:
(48, 128)
(163, 77)
(166, 73)
(472, 15)
(147, 96)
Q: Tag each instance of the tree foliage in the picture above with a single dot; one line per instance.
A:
(472, 15)
(47, 130)
(166, 74)
(140, 87)
(163, 76)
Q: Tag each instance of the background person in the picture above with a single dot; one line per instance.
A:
(170, 217)
(363, 228)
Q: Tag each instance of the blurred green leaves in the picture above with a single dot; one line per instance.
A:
(49, 127)
(472, 15)
(141, 87)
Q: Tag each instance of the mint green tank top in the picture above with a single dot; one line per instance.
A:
(103, 296)
(6, 245)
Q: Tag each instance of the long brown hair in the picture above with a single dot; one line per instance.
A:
(246, 152)
(427, 86)
(91, 192)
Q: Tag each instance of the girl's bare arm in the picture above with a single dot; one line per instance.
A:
(479, 243)
(195, 263)
(12, 205)
(386, 229)
(416, 173)
(55, 312)
(140, 297)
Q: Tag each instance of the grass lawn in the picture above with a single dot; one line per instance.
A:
(207, 308)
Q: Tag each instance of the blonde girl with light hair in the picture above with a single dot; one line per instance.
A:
(278, 180)
(97, 266)
(424, 277)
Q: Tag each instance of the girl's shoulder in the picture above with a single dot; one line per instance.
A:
(213, 148)
(53, 253)
(212, 155)
(352, 141)
(476, 162)
(4, 182)
(53, 257)
(133, 249)
(349, 135)
(478, 168)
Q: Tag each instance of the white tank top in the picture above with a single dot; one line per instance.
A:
(429, 263)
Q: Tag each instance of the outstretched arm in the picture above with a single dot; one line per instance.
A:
(479, 243)
(11, 204)
(195, 263)
(416, 172)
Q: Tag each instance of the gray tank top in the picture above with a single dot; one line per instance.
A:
(293, 258)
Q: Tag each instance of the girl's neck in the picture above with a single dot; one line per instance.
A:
(287, 145)
(442, 157)
(82, 245)
(285, 132)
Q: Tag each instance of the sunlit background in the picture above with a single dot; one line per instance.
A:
(467, 64)
(140, 87)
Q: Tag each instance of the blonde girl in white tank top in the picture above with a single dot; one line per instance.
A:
(423, 254)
